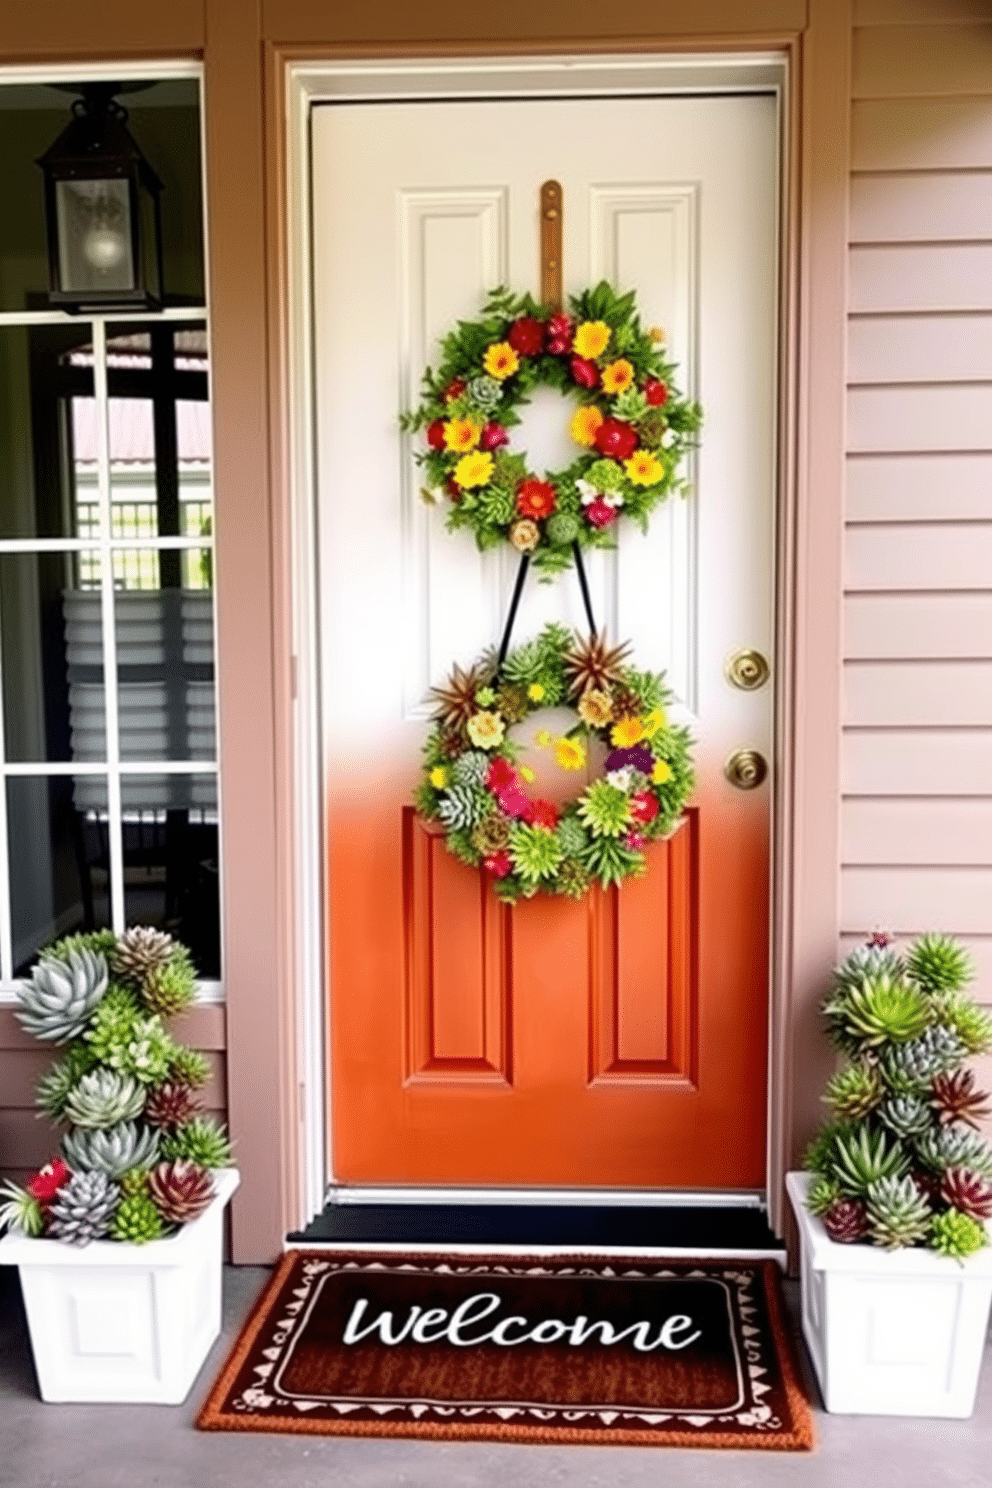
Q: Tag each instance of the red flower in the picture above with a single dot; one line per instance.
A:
(46, 1184)
(634, 840)
(584, 372)
(498, 863)
(453, 489)
(526, 336)
(643, 807)
(500, 774)
(493, 436)
(435, 434)
(559, 334)
(454, 390)
(616, 439)
(656, 392)
(600, 513)
(541, 814)
(536, 499)
(513, 801)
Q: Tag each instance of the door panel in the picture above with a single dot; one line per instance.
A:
(620, 1041)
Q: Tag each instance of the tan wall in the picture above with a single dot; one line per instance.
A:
(916, 816)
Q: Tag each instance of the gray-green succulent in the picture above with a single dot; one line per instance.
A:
(83, 1209)
(103, 1098)
(111, 1150)
(58, 1000)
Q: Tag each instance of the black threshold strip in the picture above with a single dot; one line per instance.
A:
(726, 1228)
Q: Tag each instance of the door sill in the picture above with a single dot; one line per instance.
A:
(611, 1198)
(545, 1225)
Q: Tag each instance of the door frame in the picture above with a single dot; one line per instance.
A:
(807, 559)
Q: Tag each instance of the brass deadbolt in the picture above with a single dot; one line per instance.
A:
(746, 769)
(747, 670)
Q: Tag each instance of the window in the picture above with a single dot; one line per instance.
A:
(108, 755)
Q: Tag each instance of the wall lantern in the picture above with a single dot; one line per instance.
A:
(102, 210)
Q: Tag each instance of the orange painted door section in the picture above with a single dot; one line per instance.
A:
(620, 1041)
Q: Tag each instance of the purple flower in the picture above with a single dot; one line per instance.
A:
(639, 757)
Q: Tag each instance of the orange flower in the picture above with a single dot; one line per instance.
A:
(585, 421)
(535, 498)
(618, 376)
(591, 338)
(627, 732)
(501, 360)
(461, 435)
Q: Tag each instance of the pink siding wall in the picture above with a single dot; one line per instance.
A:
(916, 812)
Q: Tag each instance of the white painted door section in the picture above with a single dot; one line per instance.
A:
(418, 210)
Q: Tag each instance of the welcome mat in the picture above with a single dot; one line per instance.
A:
(520, 1349)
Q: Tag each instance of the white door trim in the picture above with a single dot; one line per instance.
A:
(309, 83)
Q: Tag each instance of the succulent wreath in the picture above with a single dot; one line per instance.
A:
(632, 424)
(476, 787)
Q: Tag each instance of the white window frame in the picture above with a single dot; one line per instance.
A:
(104, 546)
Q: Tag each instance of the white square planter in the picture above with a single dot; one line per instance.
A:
(890, 1333)
(125, 1323)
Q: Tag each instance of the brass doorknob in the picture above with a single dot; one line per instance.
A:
(746, 768)
(746, 669)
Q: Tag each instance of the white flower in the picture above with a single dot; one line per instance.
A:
(621, 779)
(587, 491)
(668, 439)
(613, 498)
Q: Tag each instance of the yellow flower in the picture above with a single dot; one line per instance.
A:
(627, 732)
(526, 773)
(500, 360)
(596, 707)
(461, 435)
(585, 421)
(485, 730)
(644, 468)
(660, 773)
(655, 720)
(474, 469)
(657, 335)
(617, 377)
(570, 754)
(439, 777)
(535, 692)
(591, 339)
(542, 738)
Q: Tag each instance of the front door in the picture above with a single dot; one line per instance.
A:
(619, 1041)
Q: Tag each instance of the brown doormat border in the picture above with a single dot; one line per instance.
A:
(290, 1370)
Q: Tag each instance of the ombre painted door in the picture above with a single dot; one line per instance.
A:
(618, 1042)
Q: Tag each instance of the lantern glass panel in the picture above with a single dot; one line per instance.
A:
(151, 263)
(94, 232)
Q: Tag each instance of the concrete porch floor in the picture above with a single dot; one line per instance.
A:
(133, 1446)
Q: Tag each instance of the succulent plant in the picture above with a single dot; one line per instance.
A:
(955, 1234)
(905, 1115)
(610, 861)
(604, 809)
(189, 1067)
(201, 1141)
(138, 951)
(572, 836)
(970, 1192)
(464, 806)
(20, 1213)
(53, 1088)
(939, 964)
(959, 1015)
(855, 1090)
(113, 1150)
(536, 852)
(572, 879)
(846, 1220)
(898, 1213)
(171, 1104)
(137, 1220)
(822, 1193)
(58, 1000)
(861, 1157)
(948, 1147)
(180, 1190)
(873, 959)
(103, 1098)
(471, 768)
(911, 1066)
(83, 1209)
(878, 1010)
(170, 985)
(955, 1098)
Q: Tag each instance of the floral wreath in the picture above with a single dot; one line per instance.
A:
(632, 423)
(474, 787)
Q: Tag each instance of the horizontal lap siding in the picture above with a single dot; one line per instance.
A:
(916, 813)
(27, 1141)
